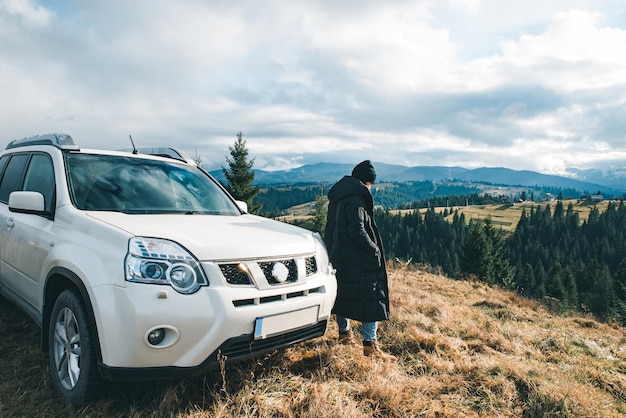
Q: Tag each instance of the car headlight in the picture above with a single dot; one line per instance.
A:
(159, 261)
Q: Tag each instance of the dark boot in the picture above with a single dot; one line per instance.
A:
(346, 338)
(371, 349)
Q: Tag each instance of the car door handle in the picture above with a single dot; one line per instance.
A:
(10, 223)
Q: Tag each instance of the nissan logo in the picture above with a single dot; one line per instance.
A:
(280, 272)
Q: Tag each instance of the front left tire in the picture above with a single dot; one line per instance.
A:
(71, 349)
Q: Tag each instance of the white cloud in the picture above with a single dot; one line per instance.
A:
(524, 84)
(574, 53)
(27, 11)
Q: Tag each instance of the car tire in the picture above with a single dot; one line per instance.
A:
(71, 349)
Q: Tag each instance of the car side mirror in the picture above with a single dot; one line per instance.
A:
(242, 205)
(26, 202)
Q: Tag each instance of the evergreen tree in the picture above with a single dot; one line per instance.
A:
(620, 290)
(620, 281)
(526, 280)
(317, 223)
(539, 291)
(569, 284)
(524, 196)
(240, 176)
(559, 212)
(484, 254)
(605, 292)
(501, 271)
(473, 258)
(572, 218)
(554, 284)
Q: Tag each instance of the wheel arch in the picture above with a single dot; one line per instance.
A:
(58, 280)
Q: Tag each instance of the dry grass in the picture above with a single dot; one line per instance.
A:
(463, 350)
(507, 216)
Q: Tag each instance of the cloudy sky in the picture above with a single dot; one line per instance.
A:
(523, 84)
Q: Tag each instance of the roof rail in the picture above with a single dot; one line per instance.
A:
(167, 152)
(61, 141)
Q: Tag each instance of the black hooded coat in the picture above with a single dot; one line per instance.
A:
(356, 252)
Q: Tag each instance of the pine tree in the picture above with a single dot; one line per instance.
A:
(606, 301)
(239, 175)
(526, 279)
(539, 290)
(484, 254)
(554, 284)
(569, 283)
(317, 223)
(501, 271)
(620, 290)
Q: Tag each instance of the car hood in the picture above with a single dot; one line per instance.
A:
(211, 237)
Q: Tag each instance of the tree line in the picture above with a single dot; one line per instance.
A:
(580, 264)
(552, 254)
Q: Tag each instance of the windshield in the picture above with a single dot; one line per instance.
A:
(136, 185)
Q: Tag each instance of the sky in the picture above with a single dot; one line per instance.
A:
(523, 84)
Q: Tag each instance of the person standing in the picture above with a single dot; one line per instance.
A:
(356, 252)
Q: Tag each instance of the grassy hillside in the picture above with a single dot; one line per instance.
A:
(463, 350)
(503, 216)
(507, 216)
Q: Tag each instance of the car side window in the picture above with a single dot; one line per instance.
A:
(12, 177)
(40, 178)
(3, 163)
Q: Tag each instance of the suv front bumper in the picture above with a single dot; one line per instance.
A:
(233, 350)
(215, 322)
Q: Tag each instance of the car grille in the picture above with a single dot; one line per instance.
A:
(236, 275)
(311, 266)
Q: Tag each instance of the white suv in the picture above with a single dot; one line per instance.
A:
(141, 266)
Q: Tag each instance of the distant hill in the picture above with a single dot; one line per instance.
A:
(331, 172)
(612, 178)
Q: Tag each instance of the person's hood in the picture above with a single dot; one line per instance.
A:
(212, 237)
(349, 186)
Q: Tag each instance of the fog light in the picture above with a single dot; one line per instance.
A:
(156, 336)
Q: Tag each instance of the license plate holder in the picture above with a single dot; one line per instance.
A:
(269, 326)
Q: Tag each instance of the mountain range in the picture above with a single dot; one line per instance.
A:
(588, 181)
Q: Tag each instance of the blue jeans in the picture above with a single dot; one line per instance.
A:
(368, 329)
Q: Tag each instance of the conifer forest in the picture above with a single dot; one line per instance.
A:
(551, 255)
